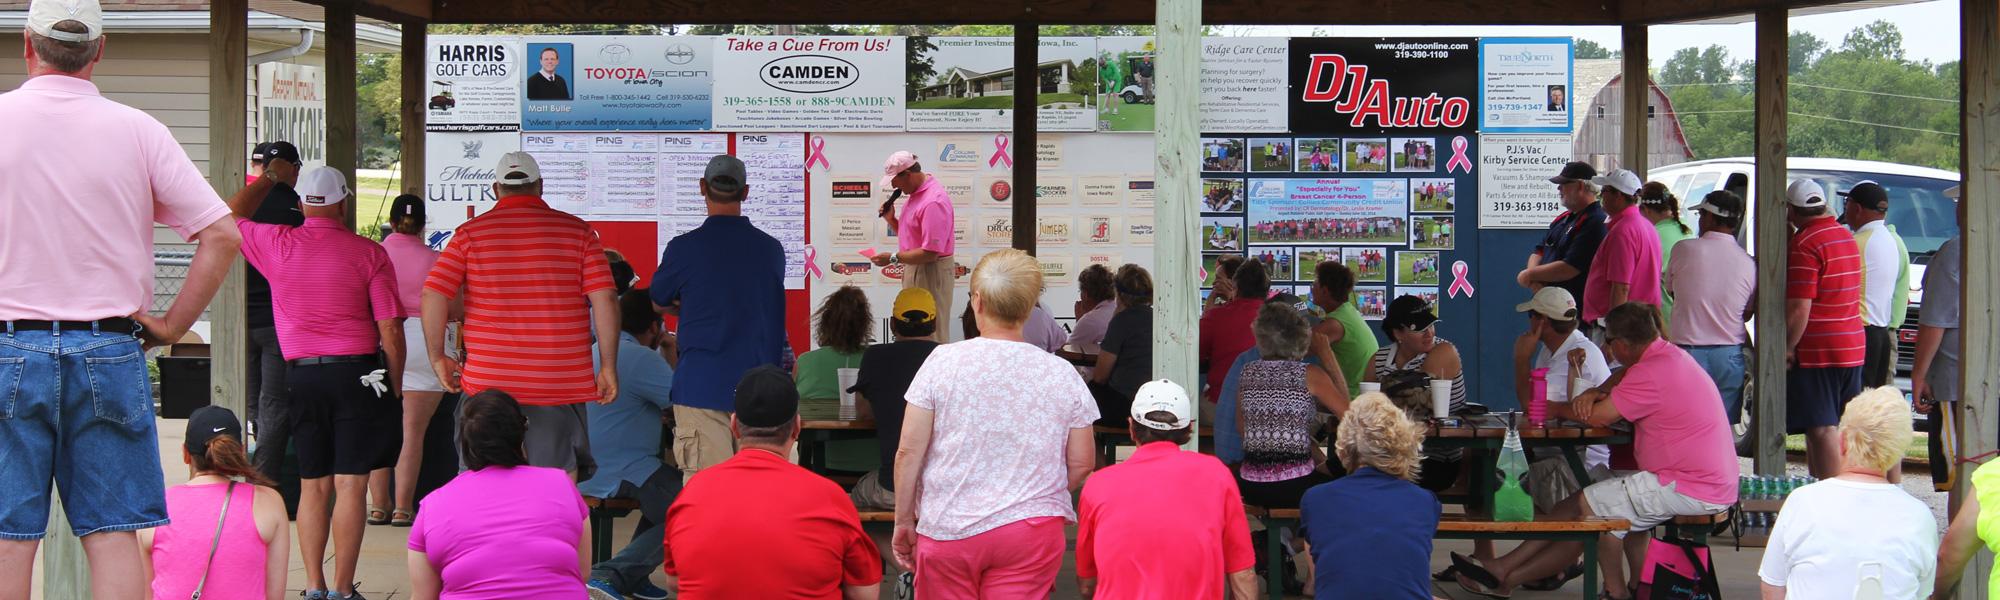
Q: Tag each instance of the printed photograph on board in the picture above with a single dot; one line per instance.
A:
(1221, 234)
(1318, 155)
(550, 81)
(1271, 155)
(1208, 262)
(1328, 211)
(1310, 259)
(1372, 301)
(1222, 155)
(1125, 79)
(1279, 262)
(1414, 155)
(1433, 195)
(1430, 296)
(968, 83)
(1429, 232)
(1370, 265)
(1417, 268)
(1366, 156)
(1222, 195)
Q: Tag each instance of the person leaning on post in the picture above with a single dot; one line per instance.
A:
(75, 292)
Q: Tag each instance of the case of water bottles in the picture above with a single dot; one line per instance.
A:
(1759, 497)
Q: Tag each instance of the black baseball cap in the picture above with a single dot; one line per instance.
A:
(1409, 313)
(207, 422)
(407, 205)
(766, 397)
(1576, 170)
(282, 150)
(1869, 195)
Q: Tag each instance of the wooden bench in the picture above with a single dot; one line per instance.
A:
(1453, 527)
(1695, 527)
(602, 512)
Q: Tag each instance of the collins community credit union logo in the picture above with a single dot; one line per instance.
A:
(810, 74)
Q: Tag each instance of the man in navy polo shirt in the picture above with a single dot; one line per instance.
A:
(726, 282)
(1563, 258)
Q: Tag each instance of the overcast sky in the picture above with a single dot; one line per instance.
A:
(1930, 32)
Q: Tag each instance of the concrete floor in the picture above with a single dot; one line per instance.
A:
(382, 575)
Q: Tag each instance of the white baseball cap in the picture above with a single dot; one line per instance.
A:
(1552, 302)
(321, 186)
(1805, 193)
(1162, 396)
(519, 162)
(1622, 180)
(43, 15)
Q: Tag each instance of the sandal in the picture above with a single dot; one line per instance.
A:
(1465, 583)
(403, 517)
(1468, 570)
(1556, 581)
(378, 515)
(1449, 574)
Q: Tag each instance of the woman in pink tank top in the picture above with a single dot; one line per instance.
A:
(251, 548)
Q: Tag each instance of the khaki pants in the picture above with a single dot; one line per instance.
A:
(701, 439)
(936, 277)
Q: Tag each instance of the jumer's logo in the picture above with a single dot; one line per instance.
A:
(680, 54)
(810, 74)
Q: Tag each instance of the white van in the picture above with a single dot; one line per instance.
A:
(1918, 209)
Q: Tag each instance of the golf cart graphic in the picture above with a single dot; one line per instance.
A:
(1136, 78)
(443, 100)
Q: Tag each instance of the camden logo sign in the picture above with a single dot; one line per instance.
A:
(810, 74)
(1380, 85)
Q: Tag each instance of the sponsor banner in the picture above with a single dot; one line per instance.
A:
(968, 84)
(616, 83)
(1524, 85)
(809, 83)
(458, 175)
(1380, 85)
(291, 107)
(1243, 84)
(1514, 188)
(474, 83)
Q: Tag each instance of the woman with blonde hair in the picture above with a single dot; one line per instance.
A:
(843, 328)
(1834, 535)
(1370, 532)
(996, 437)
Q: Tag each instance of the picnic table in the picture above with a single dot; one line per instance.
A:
(822, 422)
(1482, 435)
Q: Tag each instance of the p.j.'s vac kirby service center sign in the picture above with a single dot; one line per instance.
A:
(809, 83)
(616, 83)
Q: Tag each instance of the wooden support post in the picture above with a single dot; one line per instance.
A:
(1027, 82)
(1976, 410)
(412, 155)
(1176, 249)
(341, 111)
(1772, 236)
(1638, 97)
(228, 91)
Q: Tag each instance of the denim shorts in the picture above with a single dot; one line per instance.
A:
(1724, 365)
(76, 408)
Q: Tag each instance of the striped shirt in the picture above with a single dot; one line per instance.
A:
(329, 287)
(525, 269)
(1825, 268)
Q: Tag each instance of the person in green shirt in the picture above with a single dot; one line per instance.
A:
(1663, 208)
(842, 328)
(1341, 323)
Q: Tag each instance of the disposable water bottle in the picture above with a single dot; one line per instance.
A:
(1510, 502)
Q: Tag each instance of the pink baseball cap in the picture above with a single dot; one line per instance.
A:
(899, 162)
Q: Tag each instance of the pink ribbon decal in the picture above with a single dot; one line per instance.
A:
(1459, 281)
(1202, 273)
(818, 154)
(1458, 158)
(812, 263)
(1000, 153)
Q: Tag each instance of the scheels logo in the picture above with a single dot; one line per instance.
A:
(1331, 79)
(810, 74)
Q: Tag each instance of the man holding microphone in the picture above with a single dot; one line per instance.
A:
(925, 232)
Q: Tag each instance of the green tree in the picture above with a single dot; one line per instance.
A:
(1878, 39)
(918, 49)
(1586, 49)
(1804, 49)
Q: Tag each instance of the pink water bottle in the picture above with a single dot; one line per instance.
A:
(1538, 397)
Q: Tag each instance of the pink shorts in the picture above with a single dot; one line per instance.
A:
(1016, 560)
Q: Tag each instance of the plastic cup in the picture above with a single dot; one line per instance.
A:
(1441, 398)
(847, 378)
(1370, 386)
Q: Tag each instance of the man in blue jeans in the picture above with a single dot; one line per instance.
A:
(625, 439)
(1713, 283)
(76, 275)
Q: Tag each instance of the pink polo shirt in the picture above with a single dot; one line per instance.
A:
(412, 260)
(328, 286)
(1162, 494)
(1712, 280)
(928, 221)
(1629, 255)
(84, 180)
(1679, 432)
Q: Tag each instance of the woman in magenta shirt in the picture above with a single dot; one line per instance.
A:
(501, 529)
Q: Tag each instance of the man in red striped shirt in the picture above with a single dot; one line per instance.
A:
(535, 285)
(333, 300)
(1822, 325)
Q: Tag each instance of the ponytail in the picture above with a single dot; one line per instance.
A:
(224, 456)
